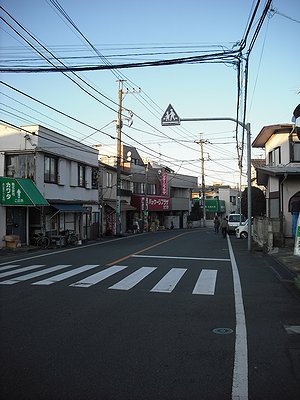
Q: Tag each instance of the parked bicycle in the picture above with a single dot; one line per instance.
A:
(71, 237)
(41, 240)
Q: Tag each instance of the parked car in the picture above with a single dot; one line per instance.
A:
(234, 220)
(241, 232)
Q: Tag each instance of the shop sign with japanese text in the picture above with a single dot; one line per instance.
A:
(11, 193)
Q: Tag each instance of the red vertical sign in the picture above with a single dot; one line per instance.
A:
(164, 186)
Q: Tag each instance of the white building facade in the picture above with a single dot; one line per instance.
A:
(63, 171)
(281, 174)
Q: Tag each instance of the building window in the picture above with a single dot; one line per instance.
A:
(295, 152)
(109, 179)
(81, 175)
(50, 169)
(233, 200)
(152, 188)
(95, 178)
(138, 188)
(275, 157)
(126, 184)
(20, 166)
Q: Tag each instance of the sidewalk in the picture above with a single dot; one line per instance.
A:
(285, 256)
(23, 251)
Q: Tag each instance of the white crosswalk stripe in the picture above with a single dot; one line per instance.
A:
(99, 276)
(169, 281)
(66, 275)
(33, 275)
(205, 284)
(17, 271)
(8, 267)
(133, 279)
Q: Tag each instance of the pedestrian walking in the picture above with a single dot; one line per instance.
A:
(224, 227)
(216, 224)
(136, 227)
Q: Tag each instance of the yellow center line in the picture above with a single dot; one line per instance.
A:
(145, 249)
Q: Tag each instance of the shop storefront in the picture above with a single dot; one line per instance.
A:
(20, 198)
(67, 217)
(152, 209)
(109, 223)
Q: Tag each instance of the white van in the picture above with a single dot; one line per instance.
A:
(234, 220)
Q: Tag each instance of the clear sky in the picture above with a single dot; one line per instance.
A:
(127, 32)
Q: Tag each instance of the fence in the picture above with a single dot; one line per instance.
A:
(267, 232)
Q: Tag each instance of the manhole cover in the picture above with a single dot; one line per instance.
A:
(222, 331)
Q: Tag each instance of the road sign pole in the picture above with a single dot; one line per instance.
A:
(165, 122)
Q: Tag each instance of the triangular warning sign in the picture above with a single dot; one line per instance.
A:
(170, 117)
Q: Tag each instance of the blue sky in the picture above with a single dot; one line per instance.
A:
(195, 90)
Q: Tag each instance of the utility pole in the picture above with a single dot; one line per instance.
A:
(119, 147)
(145, 206)
(100, 199)
(119, 151)
(201, 142)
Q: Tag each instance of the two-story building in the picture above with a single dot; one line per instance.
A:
(160, 197)
(49, 183)
(281, 174)
(108, 203)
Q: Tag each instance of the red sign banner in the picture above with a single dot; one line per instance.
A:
(153, 203)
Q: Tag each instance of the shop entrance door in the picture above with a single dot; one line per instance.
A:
(16, 222)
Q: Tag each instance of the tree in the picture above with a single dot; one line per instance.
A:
(258, 202)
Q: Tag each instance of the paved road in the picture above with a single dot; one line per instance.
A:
(168, 315)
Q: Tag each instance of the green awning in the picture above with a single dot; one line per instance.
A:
(20, 192)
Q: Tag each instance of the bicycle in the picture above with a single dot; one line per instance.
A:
(71, 237)
(41, 240)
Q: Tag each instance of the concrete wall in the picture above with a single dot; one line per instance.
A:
(267, 232)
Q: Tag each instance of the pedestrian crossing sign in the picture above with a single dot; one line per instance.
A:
(170, 117)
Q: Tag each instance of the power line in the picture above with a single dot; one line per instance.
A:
(49, 139)
(54, 109)
(55, 67)
(275, 11)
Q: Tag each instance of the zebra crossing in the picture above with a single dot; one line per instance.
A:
(205, 284)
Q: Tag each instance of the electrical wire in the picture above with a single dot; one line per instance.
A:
(50, 139)
(191, 61)
(55, 67)
(55, 109)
